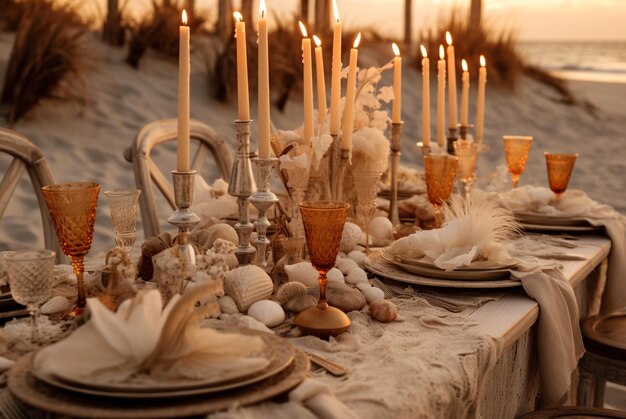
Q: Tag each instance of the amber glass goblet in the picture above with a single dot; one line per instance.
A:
(323, 224)
(440, 174)
(560, 168)
(467, 152)
(516, 149)
(72, 207)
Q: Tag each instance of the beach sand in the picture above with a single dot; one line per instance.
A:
(88, 143)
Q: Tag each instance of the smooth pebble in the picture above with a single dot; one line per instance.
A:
(335, 275)
(356, 275)
(350, 237)
(358, 257)
(268, 312)
(372, 294)
(346, 264)
(55, 305)
(363, 285)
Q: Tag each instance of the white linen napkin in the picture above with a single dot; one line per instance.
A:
(140, 337)
(575, 203)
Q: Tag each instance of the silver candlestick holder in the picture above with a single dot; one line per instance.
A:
(334, 167)
(241, 186)
(426, 149)
(184, 219)
(464, 130)
(263, 199)
(453, 135)
(396, 141)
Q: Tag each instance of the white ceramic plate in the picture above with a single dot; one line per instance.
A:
(475, 266)
(560, 229)
(379, 266)
(550, 220)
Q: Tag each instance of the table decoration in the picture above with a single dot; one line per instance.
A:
(29, 275)
(323, 224)
(396, 141)
(366, 188)
(480, 108)
(297, 163)
(517, 149)
(118, 277)
(467, 152)
(263, 199)
(440, 173)
(72, 207)
(123, 206)
(241, 186)
(247, 285)
(560, 167)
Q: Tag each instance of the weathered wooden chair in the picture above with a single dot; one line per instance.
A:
(27, 157)
(146, 171)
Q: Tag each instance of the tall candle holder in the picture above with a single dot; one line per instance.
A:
(334, 166)
(426, 149)
(464, 131)
(263, 199)
(453, 135)
(241, 186)
(396, 141)
(184, 219)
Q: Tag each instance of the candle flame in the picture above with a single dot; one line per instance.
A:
(303, 29)
(448, 38)
(483, 62)
(441, 52)
(424, 52)
(262, 8)
(396, 50)
(238, 17)
(464, 65)
(318, 41)
(184, 17)
(357, 40)
(336, 10)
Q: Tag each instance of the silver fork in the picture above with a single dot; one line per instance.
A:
(435, 301)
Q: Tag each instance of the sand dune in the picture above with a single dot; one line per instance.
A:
(88, 144)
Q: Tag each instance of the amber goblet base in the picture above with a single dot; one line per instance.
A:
(322, 322)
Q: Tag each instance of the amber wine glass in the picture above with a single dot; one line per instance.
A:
(560, 168)
(72, 207)
(440, 174)
(323, 224)
(516, 149)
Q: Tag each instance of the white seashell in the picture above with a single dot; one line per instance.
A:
(358, 257)
(228, 305)
(350, 237)
(248, 284)
(299, 303)
(303, 272)
(363, 285)
(335, 275)
(231, 261)
(289, 290)
(346, 264)
(383, 310)
(221, 231)
(356, 275)
(268, 312)
(372, 294)
(381, 231)
(55, 305)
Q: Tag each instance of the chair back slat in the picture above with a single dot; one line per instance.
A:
(9, 183)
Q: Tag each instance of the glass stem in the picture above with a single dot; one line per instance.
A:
(438, 215)
(34, 333)
(515, 180)
(78, 264)
(323, 282)
(467, 186)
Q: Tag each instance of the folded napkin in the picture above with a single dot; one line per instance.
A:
(142, 338)
(476, 229)
(576, 204)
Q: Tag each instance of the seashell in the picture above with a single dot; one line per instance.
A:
(335, 275)
(303, 272)
(289, 290)
(268, 312)
(403, 230)
(151, 247)
(346, 264)
(383, 310)
(344, 297)
(381, 231)
(350, 237)
(55, 305)
(372, 294)
(363, 285)
(356, 275)
(201, 239)
(299, 303)
(248, 284)
(228, 305)
(222, 231)
(231, 261)
(358, 257)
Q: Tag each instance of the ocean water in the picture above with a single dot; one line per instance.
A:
(591, 61)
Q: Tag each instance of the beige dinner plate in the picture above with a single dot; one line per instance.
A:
(379, 266)
(31, 391)
(434, 272)
(484, 265)
(280, 354)
(560, 229)
(550, 220)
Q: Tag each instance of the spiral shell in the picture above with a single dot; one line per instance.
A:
(383, 310)
(228, 305)
(289, 290)
(248, 284)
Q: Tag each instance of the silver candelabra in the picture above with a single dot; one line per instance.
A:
(184, 218)
(241, 186)
(263, 199)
